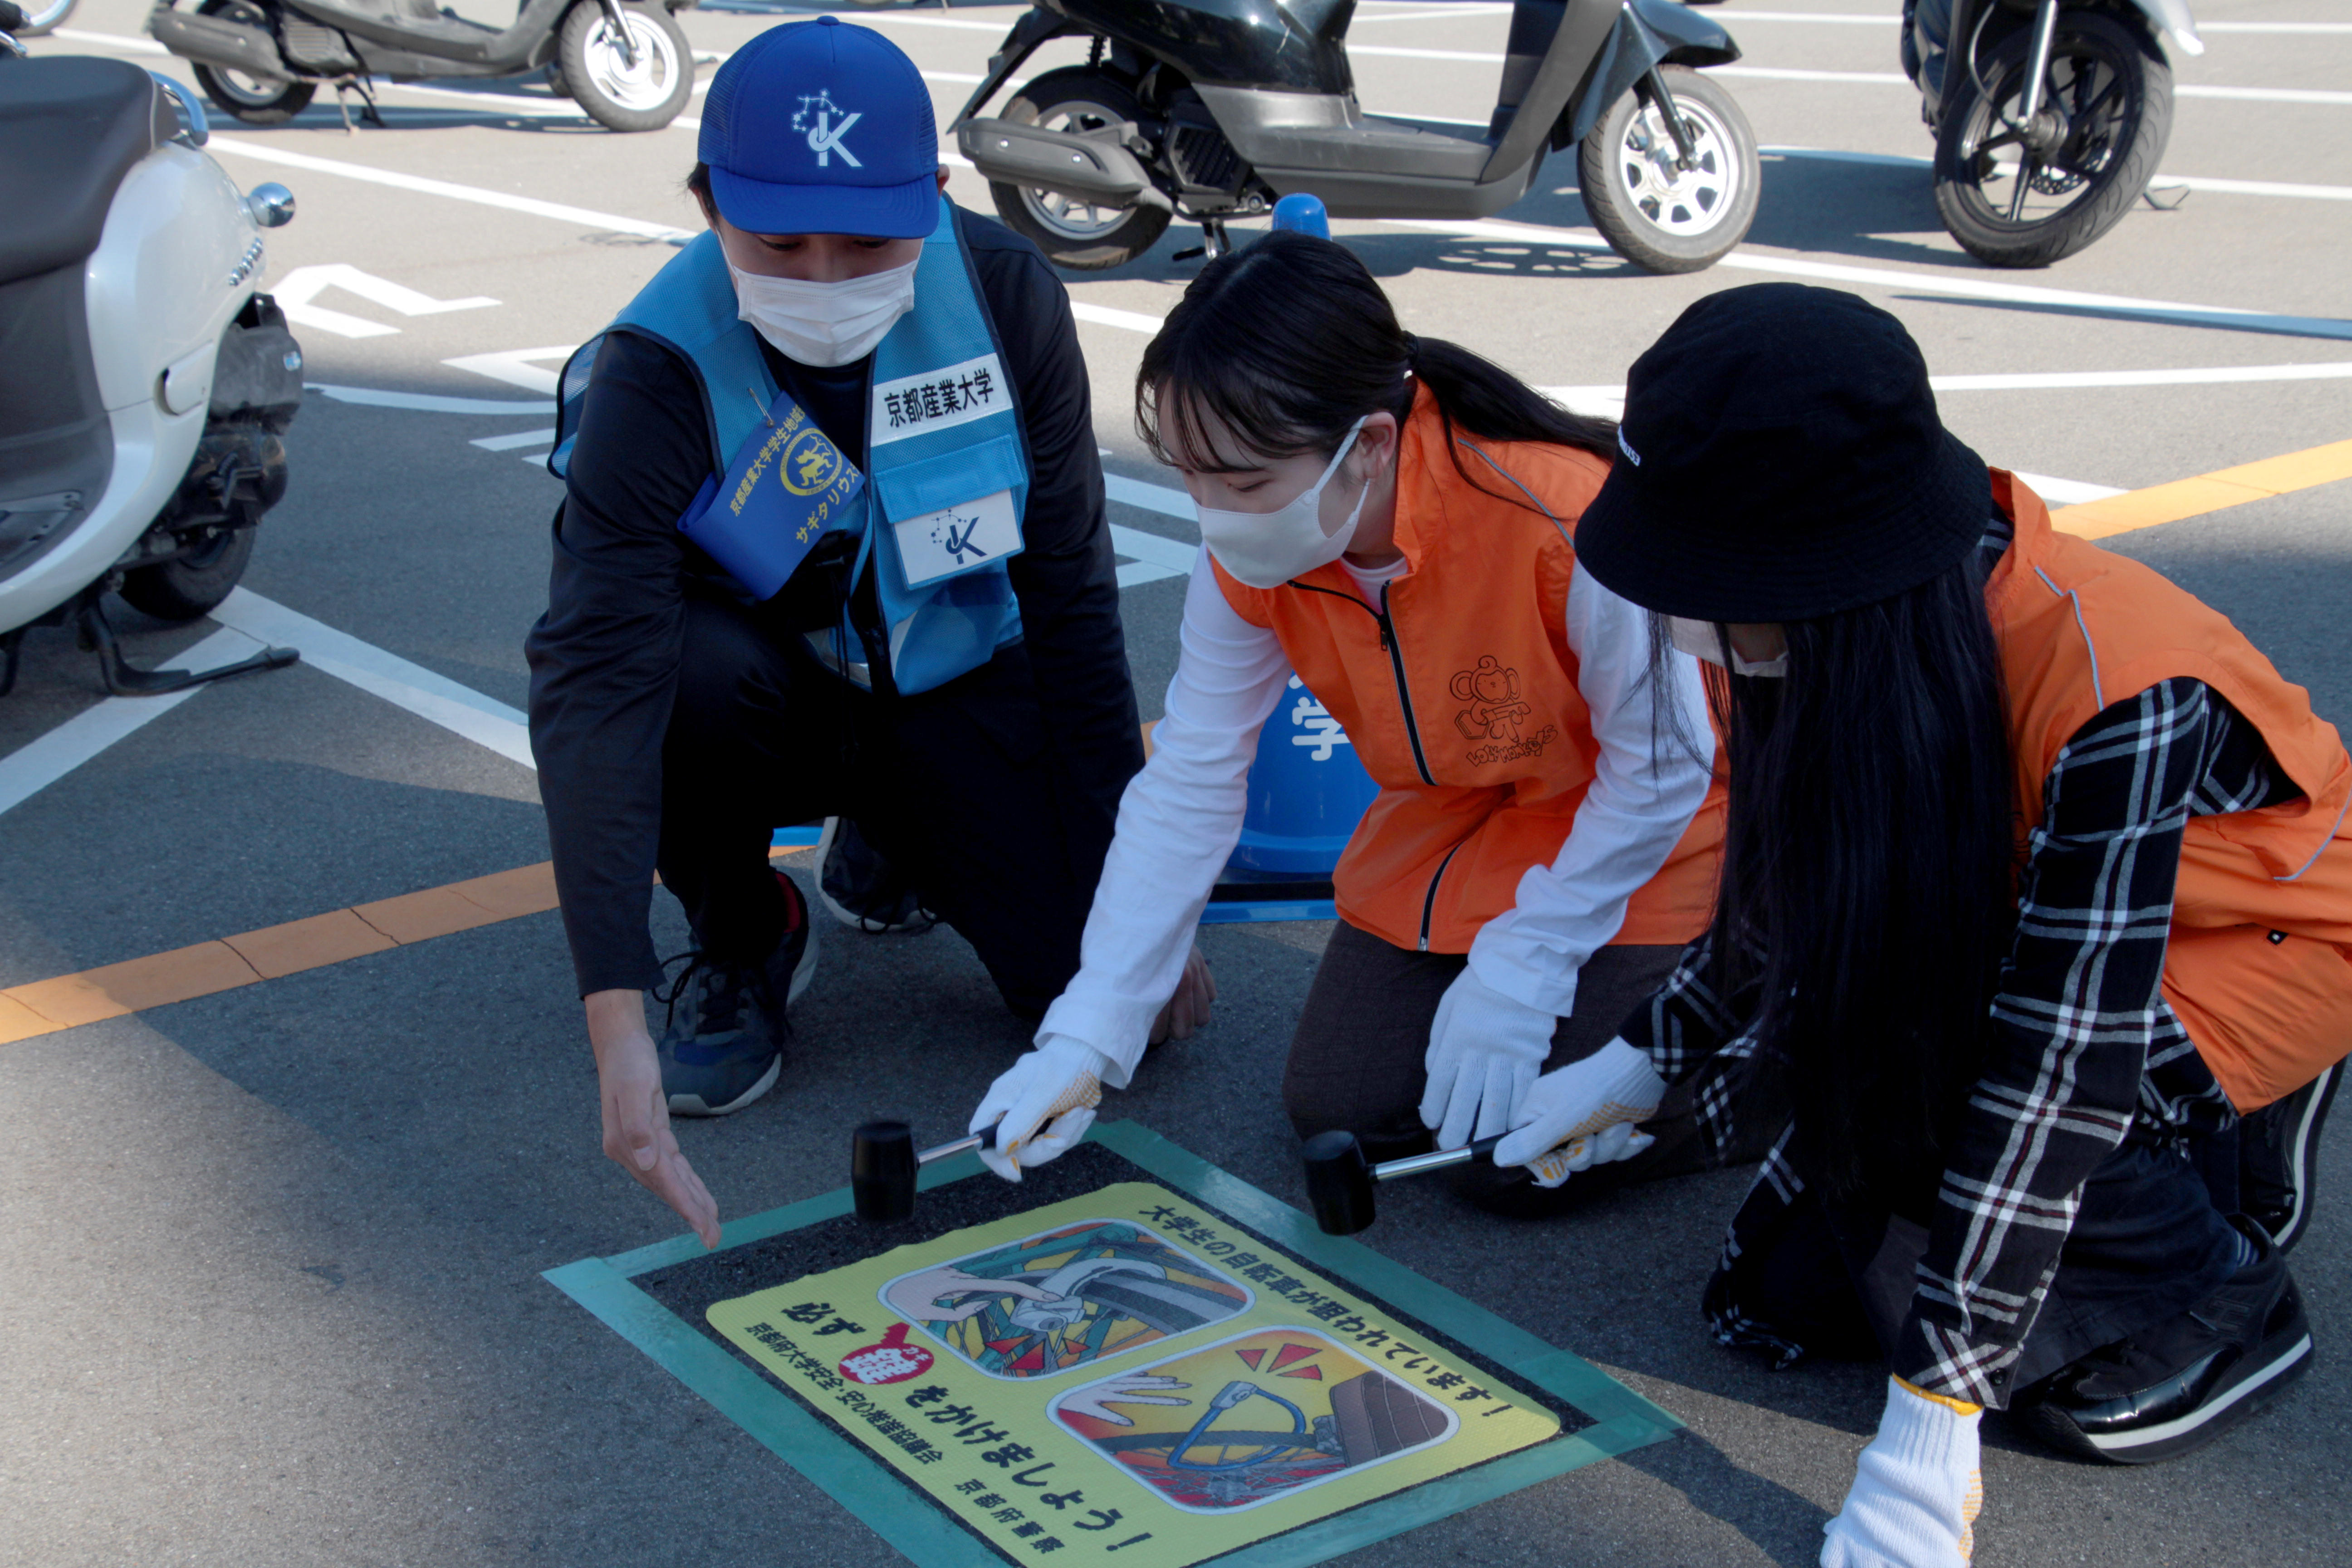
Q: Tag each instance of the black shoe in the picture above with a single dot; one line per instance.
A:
(723, 1046)
(860, 888)
(2179, 1386)
(2278, 1159)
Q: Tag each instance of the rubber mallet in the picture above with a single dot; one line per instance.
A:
(883, 1162)
(1339, 1180)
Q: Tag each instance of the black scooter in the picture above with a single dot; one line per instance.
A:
(1211, 109)
(629, 66)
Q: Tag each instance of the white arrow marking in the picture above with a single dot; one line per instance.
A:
(295, 291)
(517, 367)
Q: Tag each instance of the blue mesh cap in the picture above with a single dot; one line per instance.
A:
(823, 128)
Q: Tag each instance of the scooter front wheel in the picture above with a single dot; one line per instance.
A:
(255, 99)
(641, 87)
(2019, 194)
(1072, 231)
(1654, 212)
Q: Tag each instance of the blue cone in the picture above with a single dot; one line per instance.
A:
(1302, 214)
(1306, 792)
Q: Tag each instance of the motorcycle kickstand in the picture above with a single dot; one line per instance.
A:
(1212, 242)
(97, 633)
(368, 113)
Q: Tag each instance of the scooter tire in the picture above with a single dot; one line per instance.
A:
(1085, 94)
(194, 585)
(242, 106)
(650, 26)
(1960, 200)
(1621, 193)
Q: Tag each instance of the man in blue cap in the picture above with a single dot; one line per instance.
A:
(833, 544)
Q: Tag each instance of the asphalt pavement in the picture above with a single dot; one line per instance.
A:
(269, 1259)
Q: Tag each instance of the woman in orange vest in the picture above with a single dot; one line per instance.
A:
(1393, 519)
(2037, 897)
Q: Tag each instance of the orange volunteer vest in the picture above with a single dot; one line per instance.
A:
(2259, 964)
(1459, 693)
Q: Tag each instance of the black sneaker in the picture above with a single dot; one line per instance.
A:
(723, 1046)
(2278, 1159)
(2179, 1386)
(860, 888)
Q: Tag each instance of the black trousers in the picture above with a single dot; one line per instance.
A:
(1357, 1063)
(953, 786)
(2149, 1240)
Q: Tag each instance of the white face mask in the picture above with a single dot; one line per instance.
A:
(1700, 639)
(1267, 549)
(824, 324)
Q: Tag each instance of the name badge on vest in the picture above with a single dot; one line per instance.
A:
(958, 538)
(787, 481)
(937, 400)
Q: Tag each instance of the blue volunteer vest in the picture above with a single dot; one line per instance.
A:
(946, 465)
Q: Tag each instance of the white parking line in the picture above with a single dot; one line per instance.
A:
(2161, 182)
(514, 440)
(1923, 282)
(508, 200)
(1155, 559)
(426, 403)
(39, 764)
(250, 621)
(437, 699)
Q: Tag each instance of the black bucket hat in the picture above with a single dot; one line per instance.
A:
(1780, 459)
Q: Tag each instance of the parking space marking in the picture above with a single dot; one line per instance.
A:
(2204, 493)
(40, 763)
(506, 200)
(2160, 181)
(436, 699)
(1924, 283)
(518, 438)
(429, 403)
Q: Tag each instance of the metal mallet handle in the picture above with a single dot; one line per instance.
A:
(1390, 1170)
(984, 1139)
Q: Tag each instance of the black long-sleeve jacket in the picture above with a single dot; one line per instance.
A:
(605, 658)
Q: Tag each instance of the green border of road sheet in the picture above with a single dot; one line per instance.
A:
(792, 1399)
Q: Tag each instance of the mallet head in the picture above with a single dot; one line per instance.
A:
(882, 1172)
(1338, 1182)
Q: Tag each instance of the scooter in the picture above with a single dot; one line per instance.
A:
(146, 381)
(628, 66)
(2050, 115)
(1212, 109)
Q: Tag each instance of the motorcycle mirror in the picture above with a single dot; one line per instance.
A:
(270, 205)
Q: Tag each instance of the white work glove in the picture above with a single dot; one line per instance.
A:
(1484, 1051)
(1583, 1115)
(1916, 1488)
(1041, 1105)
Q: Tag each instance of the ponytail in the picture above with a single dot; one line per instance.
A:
(1290, 342)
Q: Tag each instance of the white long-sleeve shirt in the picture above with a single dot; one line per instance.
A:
(1181, 817)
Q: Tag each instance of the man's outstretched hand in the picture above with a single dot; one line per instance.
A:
(638, 1135)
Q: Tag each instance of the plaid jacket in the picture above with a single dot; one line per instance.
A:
(2084, 1045)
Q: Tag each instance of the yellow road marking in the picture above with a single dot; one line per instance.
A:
(46, 1007)
(2207, 492)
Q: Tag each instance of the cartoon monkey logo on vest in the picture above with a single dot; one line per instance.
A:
(1495, 713)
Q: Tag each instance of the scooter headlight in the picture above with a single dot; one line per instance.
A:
(270, 205)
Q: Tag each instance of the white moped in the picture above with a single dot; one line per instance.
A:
(145, 381)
